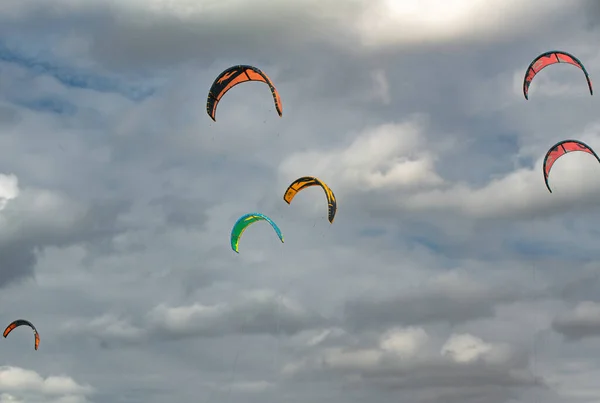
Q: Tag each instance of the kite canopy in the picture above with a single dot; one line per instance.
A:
(230, 78)
(558, 150)
(308, 181)
(548, 58)
(244, 222)
(21, 322)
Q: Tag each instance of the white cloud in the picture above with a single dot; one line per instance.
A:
(8, 398)
(40, 211)
(396, 158)
(18, 384)
(257, 312)
(251, 386)
(574, 180)
(9, 189)
(404, 342)
(337, 359)
(319, 338)
(387, 156)
(353, 359)
(583, 321)
(150, 264)
(325, 336)
(108, 327)
(381, 87)
(463, 364)
(367, 23)
(466, 348)
(179, 319)
(393, 22)
(587, 311)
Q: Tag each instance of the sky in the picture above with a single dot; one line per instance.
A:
(450, 273)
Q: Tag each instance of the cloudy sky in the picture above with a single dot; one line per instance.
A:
(449, 275)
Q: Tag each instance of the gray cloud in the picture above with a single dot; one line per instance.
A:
(126, 204)
(582, 322)
(182, 211)
(454, 302)
(64, 223)
(466, 370)
(262, 313)
(592, 13)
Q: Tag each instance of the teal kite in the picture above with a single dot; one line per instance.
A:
(243, 222)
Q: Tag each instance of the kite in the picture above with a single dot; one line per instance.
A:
(230, 78)
(21, 322)
(547, 59)
(308, 181)
(558, 150)
(246, 220)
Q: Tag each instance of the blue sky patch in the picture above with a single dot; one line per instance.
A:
(74, 77)
(49, 104)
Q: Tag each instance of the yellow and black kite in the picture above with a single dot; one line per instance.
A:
(308, 181)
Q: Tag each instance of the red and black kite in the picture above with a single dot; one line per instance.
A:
(547, 59)
(21, 322)
(558, 150)
(230, 78)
